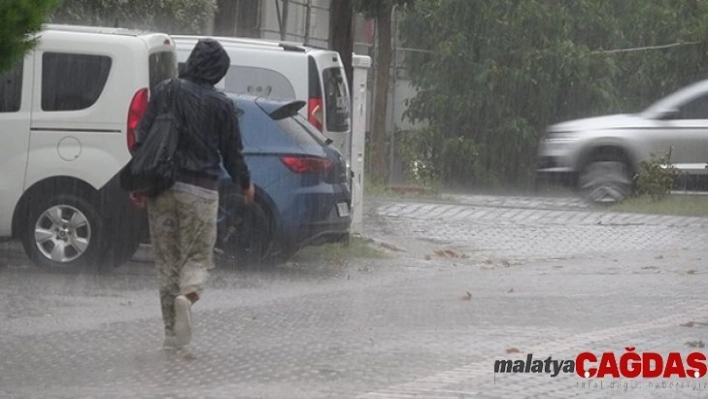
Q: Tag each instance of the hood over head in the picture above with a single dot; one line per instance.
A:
(208, 62)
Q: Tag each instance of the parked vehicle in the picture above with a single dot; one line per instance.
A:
(67, 115)
(600, 155)
(287, 71)
(302, 192)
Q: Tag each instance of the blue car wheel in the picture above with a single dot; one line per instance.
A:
(244, 232)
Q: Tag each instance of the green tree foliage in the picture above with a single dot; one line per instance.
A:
(497, 72)
(171, 16)
(19, 20)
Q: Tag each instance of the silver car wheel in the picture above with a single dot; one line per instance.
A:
(606, 182)
(62, 233)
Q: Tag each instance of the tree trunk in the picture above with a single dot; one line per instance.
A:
(284, 18)
(341, 40)
(225, 18)
(379, 165)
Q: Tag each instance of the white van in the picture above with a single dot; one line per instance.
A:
(287, 71)
(68, 112)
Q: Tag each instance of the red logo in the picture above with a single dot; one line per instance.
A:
(645, 365)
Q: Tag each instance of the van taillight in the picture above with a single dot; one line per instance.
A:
(314, 112)
(137, 108)
(301, 164)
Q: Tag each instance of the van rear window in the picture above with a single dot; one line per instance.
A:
(336, 95)
(163, 66)
(259, 82)
(72, 82)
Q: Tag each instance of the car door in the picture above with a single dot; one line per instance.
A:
(686, 132)
(15, 115)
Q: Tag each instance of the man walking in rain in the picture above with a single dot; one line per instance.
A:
(183, 218)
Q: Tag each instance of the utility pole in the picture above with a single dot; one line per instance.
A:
(308, 21)
(392, 152)
(284, 26)
(341, 14)
(361, 66)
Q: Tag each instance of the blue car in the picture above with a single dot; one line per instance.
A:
(302, 186)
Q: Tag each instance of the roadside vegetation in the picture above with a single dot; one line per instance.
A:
(487, 85)
(672, 204)
(655, 180)
(412, 190)
(357, 247)
(656, 177)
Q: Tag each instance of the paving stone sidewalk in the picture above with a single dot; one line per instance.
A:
(416, 325)
(517, 233)
(509, 201)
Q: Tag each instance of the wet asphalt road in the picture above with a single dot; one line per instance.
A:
(465, 283)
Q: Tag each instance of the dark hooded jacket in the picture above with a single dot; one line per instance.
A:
(210, 131)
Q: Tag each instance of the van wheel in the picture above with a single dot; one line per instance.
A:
(244, 232)
(63, 234)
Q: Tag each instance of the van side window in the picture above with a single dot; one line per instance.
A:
(259, 82)
(72, 82)
(11, 89)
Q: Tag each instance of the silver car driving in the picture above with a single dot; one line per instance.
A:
(599, 155)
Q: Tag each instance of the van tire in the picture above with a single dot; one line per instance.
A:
(67, 227)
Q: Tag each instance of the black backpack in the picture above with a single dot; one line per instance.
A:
(154, 165)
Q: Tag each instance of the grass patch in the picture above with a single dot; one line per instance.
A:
(374, 189)
(677, 205)
(356, 248)
(400, 191)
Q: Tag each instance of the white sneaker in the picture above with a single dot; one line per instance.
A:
(183, 320)
(170, 343)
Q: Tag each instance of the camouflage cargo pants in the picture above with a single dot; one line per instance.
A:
(183, 234)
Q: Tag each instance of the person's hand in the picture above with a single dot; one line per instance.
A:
(249, 194)
(138, 200)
